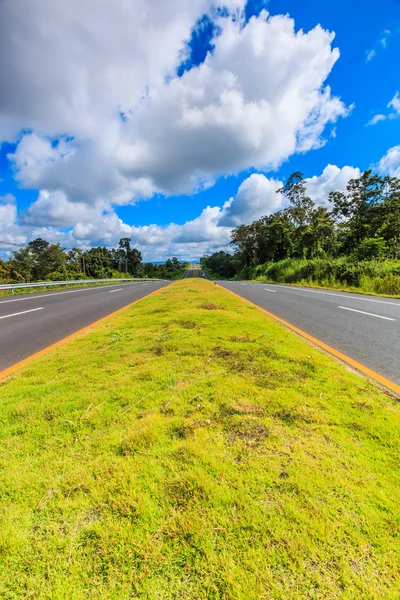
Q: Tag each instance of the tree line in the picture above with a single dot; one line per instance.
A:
(39, 261)
(362, 224)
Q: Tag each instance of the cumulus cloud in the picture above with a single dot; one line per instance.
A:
(332, 179)
(390, 162)
(90, 94)
(256, 100)
(56, 210)
(257, 196)
(70, 67)
(209, 232)
(109, 118)
(9, 229)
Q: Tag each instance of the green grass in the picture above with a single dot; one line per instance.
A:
(380, 278)
(326, 285)
(189, 447)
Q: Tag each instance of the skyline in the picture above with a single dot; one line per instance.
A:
(173, 122)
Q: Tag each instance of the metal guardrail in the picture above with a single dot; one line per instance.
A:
(19, 286)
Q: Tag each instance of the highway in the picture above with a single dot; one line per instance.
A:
(365, 328)
(29, 323)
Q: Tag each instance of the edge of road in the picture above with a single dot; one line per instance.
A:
(21, 363)
(327, 289)
(386, 383)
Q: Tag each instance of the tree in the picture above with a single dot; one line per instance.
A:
(131, 256)
(358, 210)
(243, 238)
(390, 217)
(221, 265)
(300, 210)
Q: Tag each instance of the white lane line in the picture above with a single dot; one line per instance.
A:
(22, 313)
(51, 294)
(113, 291)
(245, 284)
(144, 284)
(348, 297)
(268, 290)
(366, 313)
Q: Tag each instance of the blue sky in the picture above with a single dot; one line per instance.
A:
(113, 193)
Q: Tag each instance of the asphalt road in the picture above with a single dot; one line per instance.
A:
(365, 328)
(29, 323)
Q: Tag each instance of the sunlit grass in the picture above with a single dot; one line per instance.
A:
(189, 447)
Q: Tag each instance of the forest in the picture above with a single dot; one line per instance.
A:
(352, 242)
(41, 261)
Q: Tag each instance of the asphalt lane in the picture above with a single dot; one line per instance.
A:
(29, 323)
(365, 328)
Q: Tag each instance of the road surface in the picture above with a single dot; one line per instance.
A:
(29, 323)
(365, 328)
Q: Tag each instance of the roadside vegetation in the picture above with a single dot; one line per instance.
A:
(41, 261)
(372, 277)
(189, 447)
(352, 243)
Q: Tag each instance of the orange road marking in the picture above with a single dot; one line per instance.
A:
(390, 385)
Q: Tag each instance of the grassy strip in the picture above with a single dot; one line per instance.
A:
(334, 287)
(380, 278)
(191, 448)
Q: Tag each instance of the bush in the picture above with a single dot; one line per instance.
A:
(382, 277)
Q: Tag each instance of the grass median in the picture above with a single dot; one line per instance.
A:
(189, 447)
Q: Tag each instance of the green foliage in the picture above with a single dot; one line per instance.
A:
(179, 452)
(171, 269)
(372, 248)
(349, 244)
(41, 261)
(381, 277)
(221, 265)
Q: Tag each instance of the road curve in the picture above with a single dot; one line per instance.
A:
(30, 323)
(365, 328)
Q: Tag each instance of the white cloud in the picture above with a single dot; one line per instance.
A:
(376, 119)
(209, 232)
(257, 196)
(257, 99)
(9, 229)
(380, 44)
(332, 179)
(390, 162)
(90, 93)
(69, 67)
(394, 105)
(55, 210)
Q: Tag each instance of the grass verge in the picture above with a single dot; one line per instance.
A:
(381, 278)
(333, 287)
(192, 448)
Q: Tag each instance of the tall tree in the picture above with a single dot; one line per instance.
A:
(357, 211)
(300, 210)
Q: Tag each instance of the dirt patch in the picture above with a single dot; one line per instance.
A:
(249, 430)
(186, 324)
(209, 306)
